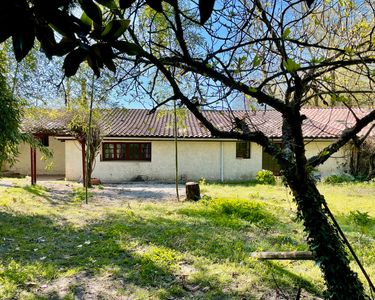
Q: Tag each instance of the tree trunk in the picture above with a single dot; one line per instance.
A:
(323, 238)
(192, 191)
(325, 242)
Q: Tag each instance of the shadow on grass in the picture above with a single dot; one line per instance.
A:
(36, 190)
(144, 253)
(280, 277)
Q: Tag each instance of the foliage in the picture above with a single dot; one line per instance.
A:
(333, 179)
(244, 209)
(265, 177)
(10, 115)
(360, 219)
(84, 124)
(79, 195)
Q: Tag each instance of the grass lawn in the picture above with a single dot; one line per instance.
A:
(64, 249)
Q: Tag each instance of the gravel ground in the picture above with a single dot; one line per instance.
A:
(147, 191)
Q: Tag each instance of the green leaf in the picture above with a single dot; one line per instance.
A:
(316, 60)
(6, 28)
(309, 3)
(124, 4)
(338, 98)
(62, 24)
(349, 50)
(205, 10)
(73, 60)
(252, 89)
(256, 61)
(291, 66)
(128, 48)
(286, 33)
(87, 21)
(23, 41)
(4, 35)
(103, 53)
(65, 46)
(155, 4)
(111, 4)
(110, 65)
(94, 64)
(92, 10)
(46, 37)
(114, 29)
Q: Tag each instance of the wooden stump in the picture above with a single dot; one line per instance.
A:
(192, 191)
(95, 181)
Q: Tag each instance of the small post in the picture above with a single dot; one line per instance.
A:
(33, 165)
(83, 146)
(192, 191)
(34, 158)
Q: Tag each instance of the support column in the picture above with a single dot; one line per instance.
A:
(83, 146)
(34, 157)
(33, 165)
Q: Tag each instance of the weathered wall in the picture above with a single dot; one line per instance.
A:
(57, 162)
(334, 165)
(197, 159)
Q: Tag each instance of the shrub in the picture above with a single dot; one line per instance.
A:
(242, 209)
(332, 179)
(79, 195)
(361, 219)
(265, 177)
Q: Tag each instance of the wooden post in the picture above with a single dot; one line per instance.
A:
(33, 165)
(34, 157)
(192, 191)
(292, 255)
(83, 145)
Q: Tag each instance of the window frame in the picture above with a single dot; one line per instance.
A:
(248, 150)
(117, 154)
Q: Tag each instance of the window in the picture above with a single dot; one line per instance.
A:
(44, 140)
(127, 151)
(243, 150)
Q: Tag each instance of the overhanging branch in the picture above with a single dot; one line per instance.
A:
(345, 137)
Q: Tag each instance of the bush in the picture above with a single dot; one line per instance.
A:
(265, 177)
(243, 209)
(332, 179)
(361, 220)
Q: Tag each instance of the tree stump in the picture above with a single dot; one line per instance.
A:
(192, 191)
(95, 181)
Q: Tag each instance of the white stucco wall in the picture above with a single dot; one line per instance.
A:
(241, 169)
(57, 163)
(197, 159)
(334, 165)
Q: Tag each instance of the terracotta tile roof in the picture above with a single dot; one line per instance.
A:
(49, 121)
(320, 122)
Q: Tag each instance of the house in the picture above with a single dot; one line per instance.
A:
(140, 145)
